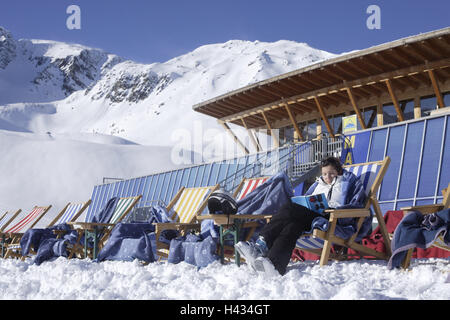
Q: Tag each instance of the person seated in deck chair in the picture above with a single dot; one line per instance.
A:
(273, 248)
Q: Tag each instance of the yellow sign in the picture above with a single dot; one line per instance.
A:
(349, 124)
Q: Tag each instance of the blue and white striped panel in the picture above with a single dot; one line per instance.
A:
(367, 174)
(70, 212)
(309, 242)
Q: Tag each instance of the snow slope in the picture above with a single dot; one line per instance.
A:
(75, 279)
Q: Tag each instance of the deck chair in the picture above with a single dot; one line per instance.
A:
(7, 218)
(320, 242)
(230, 227)
(247, 185)
(99, 232)
(69, 213)
(429, 209)
(12, 234)
(186, 205)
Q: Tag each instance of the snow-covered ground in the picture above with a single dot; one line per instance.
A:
(75, 279)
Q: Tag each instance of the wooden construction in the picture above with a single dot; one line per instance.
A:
(320, 242)
(429, 209)
(69, 213)
(99, 232)
(185, 207)
(12, 234)
(367, 80)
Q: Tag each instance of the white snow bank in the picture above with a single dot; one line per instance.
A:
(75, 279)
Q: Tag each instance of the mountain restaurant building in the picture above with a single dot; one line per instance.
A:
(393, 82)
(389, 100)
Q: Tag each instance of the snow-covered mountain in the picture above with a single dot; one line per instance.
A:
(56, 95)
(60, 87)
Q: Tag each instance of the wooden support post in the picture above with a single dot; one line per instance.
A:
(380, 117)
(236, 139)
(252, 137)
(324, 117)
(319, 128)
(294, 123)
(437, 92)
(417, 108)
(355, 107)
(269, 127)
(395, 101)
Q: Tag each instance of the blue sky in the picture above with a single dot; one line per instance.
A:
(155, 31)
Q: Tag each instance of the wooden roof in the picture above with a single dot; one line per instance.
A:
(322, 88)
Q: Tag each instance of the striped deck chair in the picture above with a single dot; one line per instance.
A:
(184, 208)
(320, 242)
(69, 213)
(429, 209)
(99, 232)
(248, 185)
(12, 233)
(7, 218)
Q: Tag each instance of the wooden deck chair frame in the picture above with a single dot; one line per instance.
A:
(11, 236)
(330, 238)
(14, 250)
(426, 209)
(92, 230)
(9, 220)
(191, 224)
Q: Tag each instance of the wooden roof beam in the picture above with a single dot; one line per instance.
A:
(253, 138)
(355, 107)
(261, 93)
(332, 74)
(441, 43)
(370, 90)
(324, 81)
(289, 86)
(383, 60)
(300, 82)
(276, 95)
(437, 92)
(345, 72)
(282, 90)
(300, 109)
(395, 101)
(356, 67)
(244, 96)
(324, 117)
(269, 127)
(226, 106)
(418, 49)
(235, 138)
(431, 50)
(294, 123)
(400, 53)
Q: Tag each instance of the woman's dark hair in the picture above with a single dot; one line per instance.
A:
(335, 162)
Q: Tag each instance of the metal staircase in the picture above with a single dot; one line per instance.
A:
(300, 161)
